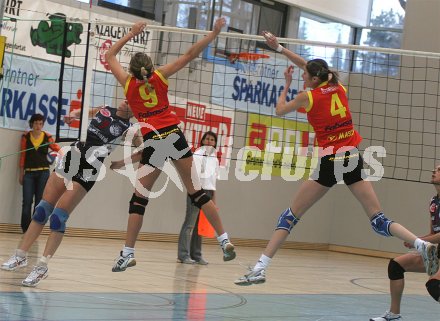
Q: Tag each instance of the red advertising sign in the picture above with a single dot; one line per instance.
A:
(196, 119)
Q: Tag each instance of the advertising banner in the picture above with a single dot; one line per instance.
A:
(36, 29)
(31, 86)
(197, 118)
(278, 147)
(255, 86)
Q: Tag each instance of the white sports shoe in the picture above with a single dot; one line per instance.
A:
(430, 259)
(228, 250)
(38, 273)
(123, 262)
(253, 277)
(14, 262)
(388, 316)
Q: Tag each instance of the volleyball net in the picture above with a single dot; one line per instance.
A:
(233, 87)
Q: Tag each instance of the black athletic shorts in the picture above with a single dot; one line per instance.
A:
(162, 144)
(332, 169)
(81, 164)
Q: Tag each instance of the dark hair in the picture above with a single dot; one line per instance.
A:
(36, 117)
(319, 68)
(209, 133)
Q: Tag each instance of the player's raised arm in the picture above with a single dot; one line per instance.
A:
(193, 52)
(273, 43)
(283, 107)
(116, 68)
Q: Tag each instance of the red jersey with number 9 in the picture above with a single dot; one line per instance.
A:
(150, 106)
(330, 117)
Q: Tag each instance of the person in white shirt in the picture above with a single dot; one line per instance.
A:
(206, 165)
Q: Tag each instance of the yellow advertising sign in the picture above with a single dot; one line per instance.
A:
(2, 53)
(279, 147)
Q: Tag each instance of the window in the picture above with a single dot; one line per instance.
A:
(251, 17)
(242, 16)
(192, 14)
(316, 28)
(143, 8)
(388, 14)
(386, 24)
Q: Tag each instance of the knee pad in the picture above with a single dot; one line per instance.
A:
(381, 225)
(136, 208)
(199, 198)
(395, 270)
(58, 220)
(433, 287)
(287, 220)
(42, 212)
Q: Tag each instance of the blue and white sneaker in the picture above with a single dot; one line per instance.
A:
(388, 316)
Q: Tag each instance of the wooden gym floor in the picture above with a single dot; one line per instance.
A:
(301, 285)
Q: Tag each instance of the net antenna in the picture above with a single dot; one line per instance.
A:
(2, 54)
(87, 84)
(88, 73)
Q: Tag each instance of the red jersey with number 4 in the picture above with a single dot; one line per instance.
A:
(330, 117)
(150, 106)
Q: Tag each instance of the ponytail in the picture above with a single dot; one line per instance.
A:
(333, 77)
(146, 75)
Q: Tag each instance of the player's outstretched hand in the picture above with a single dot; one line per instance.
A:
(138, 27)
(271, 40)
(68, 119)
(219, 24)
(288, 74)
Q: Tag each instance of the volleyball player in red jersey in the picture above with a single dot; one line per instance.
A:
(146, 89)
(327, 110)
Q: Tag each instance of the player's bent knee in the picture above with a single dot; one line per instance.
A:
(58, 220)
(433, 287)
(199, 198)
(381, 225)
(395, 270)
(138, 208)
(287, 220)
(42, 212)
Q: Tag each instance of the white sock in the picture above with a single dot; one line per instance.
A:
(263, 262)
(418, 244)
(44, 260)
(222, 237)
(20, 253)
(127, 251)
